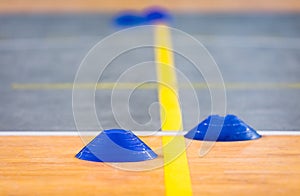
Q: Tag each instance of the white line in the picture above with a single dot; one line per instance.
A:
(139, 133)
(282, 133)
(85, 133)
(38, 133)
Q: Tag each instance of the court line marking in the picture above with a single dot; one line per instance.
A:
(72, 38)
(129, 85)
(256, 41)
(138, 133)
(176, 168)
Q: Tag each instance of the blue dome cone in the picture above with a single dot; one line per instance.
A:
(223, 129)
(116, 145)
(157, 14)
(128, 19)
(150, 15)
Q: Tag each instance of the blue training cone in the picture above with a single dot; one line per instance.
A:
(152, 15)
(157, 14)
(223, 129)
(129, 18)
(116, 145)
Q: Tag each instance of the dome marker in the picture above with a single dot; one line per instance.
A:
(229, 128)
(148, 16)
(116, 145)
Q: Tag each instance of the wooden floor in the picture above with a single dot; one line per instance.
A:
(16, 6)
(46, 166)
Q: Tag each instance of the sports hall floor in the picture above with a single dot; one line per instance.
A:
(256, 46)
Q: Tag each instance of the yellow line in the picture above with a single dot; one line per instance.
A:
(64, 86)
(177, 175)
(111, 85)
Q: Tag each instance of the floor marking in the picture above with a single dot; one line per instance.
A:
(70, 86)
(281, 133)
(138, 133)
(63, 42)
(176, 168)
(149, 86)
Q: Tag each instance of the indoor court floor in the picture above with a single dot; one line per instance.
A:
(256, 48)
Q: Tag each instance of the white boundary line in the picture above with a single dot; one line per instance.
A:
(288, 133)
(139, 133)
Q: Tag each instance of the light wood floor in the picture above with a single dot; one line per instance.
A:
(46, 166)
(13, 6)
